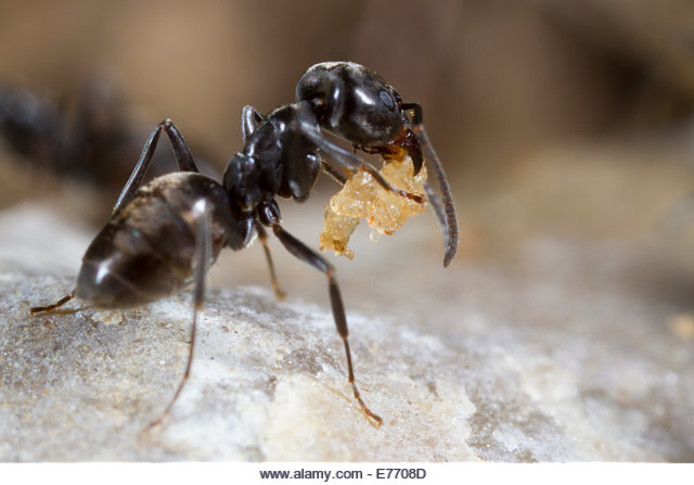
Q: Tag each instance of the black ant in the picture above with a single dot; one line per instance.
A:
(165, 234)
(89, 139)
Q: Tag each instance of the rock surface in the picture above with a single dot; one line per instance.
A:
(472, 363)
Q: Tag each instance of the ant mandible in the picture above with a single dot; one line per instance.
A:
(164, 235)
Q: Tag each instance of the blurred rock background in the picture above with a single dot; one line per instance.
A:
(566, 130)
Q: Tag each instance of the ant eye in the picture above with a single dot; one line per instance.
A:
(387, 99)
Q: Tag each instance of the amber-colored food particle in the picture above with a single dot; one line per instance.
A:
(336, 233)
(363, 198)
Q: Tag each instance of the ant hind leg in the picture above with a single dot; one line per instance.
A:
(50, 308)
(203, 252)
(184, 158)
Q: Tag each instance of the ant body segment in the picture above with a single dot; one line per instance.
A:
(164, 235)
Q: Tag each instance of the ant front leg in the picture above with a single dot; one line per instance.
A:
(334, 174)
(352, 162)
(307, 255)
(184, 158)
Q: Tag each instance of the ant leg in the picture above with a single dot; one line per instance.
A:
(250, 119)
(48, 308)
(305, 254)
(447, 216)
(353, 162)
(262, 235)
(334, 174)
(185, 164)
(203, 253)
(181, 152)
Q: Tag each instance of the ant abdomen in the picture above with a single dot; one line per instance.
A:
(147, 250)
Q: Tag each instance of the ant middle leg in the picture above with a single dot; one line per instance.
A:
(307, 255)
(262, 236)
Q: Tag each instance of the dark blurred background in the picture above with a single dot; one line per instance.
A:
(550, 116)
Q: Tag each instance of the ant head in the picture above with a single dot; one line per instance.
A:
(353, 102)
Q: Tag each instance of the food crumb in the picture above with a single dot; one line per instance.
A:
(364, 198)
